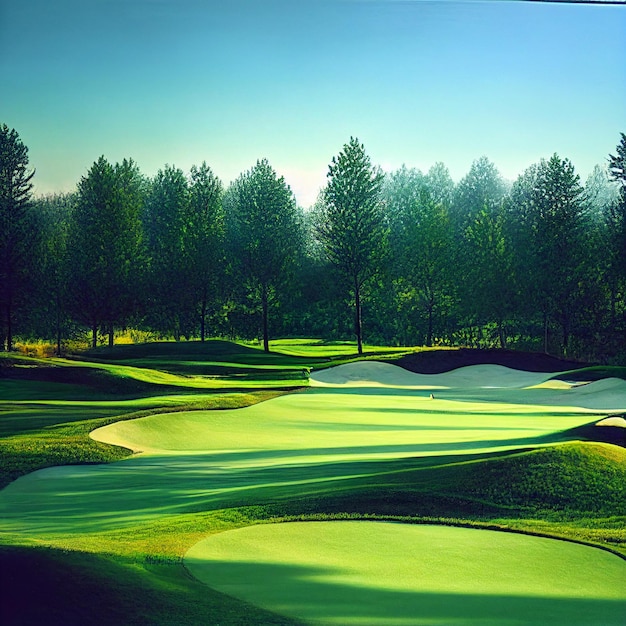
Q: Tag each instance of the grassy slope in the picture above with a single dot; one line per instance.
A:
(128, 569)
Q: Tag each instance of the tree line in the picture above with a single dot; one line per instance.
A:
(402, 258)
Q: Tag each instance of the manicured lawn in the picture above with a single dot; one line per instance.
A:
(383, 573)
(493, 448)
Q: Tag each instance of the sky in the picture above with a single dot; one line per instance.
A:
(230, 82)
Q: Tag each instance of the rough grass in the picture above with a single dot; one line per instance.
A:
(46, 434)
(572, 491)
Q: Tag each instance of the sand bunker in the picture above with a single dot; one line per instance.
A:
(615, 421)
(606, 394)
(377, 374)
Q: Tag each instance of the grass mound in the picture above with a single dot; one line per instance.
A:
(26, 380)
(572, 478)
(568, 481)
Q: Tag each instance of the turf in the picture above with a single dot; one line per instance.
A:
(504, 456)
(382, 573)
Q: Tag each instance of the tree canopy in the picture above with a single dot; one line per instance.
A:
(537, 264)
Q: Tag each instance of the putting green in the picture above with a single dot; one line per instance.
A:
(370, 573)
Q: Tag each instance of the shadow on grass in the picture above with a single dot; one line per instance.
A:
(79, 499)
(298, 592)
(60, 588)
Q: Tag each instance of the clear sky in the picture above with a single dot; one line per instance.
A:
(232, 81)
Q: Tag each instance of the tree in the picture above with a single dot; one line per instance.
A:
(264, 235)
(54, 216)
(205, 238)
(617, 169)
(422, 245)
(166, 222)
(549, 233)
(490, 293)
(17, 232)
(351, 225)
(105, 249)
(440, 185)
(482, 188)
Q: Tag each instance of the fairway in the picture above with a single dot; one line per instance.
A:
(369, 573)
(319, 439)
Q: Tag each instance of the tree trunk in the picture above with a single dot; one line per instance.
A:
(502, 335)
(429, 336)
(9, 328)
(58, 329)
(94, 336)
(111, 335)
(566, 335)
(203, 308)
(266, 339)
(545, 332)
(357, 317)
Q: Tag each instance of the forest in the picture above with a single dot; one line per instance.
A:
(400, 258)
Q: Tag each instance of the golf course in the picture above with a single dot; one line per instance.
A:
(214, 483)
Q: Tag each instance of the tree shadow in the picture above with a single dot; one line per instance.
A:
(300, 592)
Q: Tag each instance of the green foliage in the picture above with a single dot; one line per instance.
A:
(539, 266)
(490, 289)
(205, 241)
(18, 234)
(548, 221)
(264, 236)
(165, 223)
(481, 189)
(351, 226)
(106, 251)
(423, 249)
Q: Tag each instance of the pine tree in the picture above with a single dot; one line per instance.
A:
(17, 231)
(351, 225)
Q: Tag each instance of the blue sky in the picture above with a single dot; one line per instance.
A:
(230, 82)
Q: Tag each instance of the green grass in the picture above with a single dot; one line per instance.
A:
(595, 372)
(488, 458)
(57, 587)
(366, 573)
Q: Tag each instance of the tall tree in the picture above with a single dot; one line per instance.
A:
(352, 226)
(481, 188)
(550, 214)
(54, 215)
(165, 222)
(440, 185)
(489, 287)
(105, 245)
(17, 232)
(617, 169)
(422, 246)
(264, 235)
(205, 238)
(615, 234)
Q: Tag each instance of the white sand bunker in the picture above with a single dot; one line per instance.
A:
(377, 374)
(606, 394)
(615, 421)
